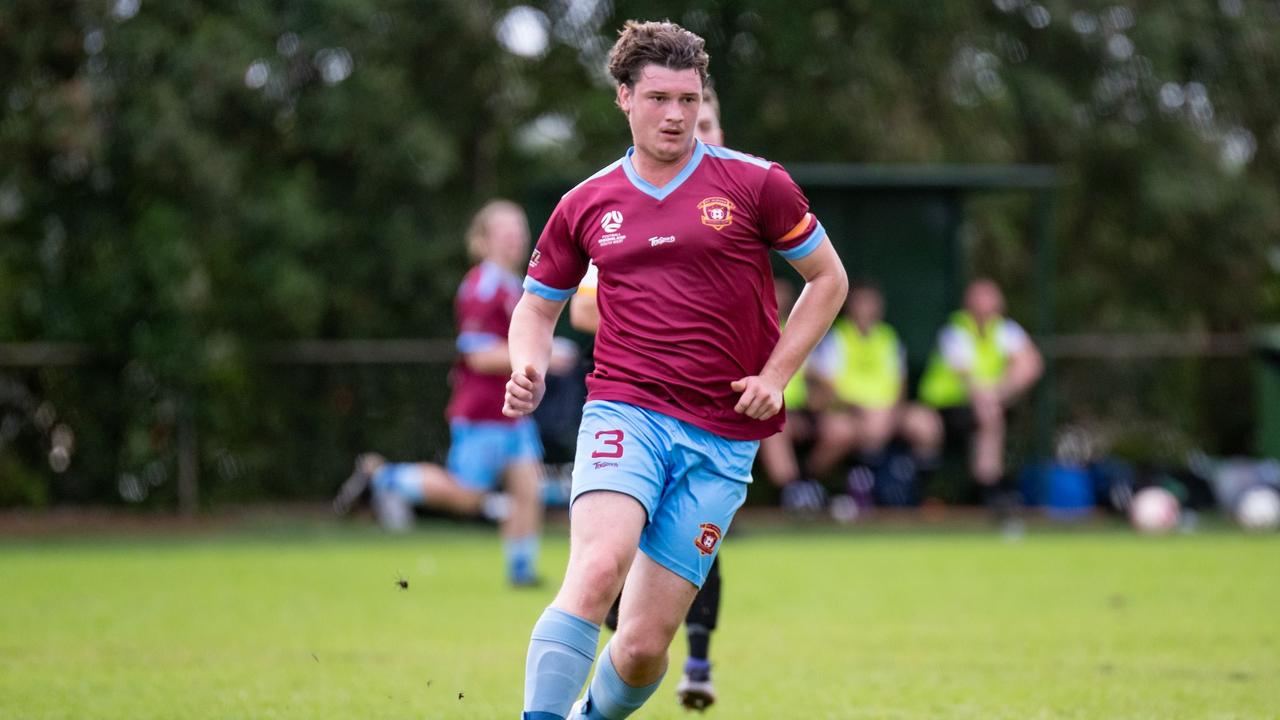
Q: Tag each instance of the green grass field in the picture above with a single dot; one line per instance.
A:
(309, 623)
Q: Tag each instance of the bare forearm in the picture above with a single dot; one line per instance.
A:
(494, 361)
(1024, 370)
(810, 319)
(530, 336)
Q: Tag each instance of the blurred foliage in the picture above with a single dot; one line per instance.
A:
(182, 182)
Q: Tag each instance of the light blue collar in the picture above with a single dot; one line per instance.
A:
(660, 193)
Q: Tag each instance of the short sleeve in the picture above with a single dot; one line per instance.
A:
(558, 262)
(1012, 338)
(785, 221)
(957, 349)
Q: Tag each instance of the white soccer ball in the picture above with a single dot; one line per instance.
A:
(1259, 509)
(1154, 510)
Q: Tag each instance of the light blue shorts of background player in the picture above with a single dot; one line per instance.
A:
(690, 481)
(480, 450)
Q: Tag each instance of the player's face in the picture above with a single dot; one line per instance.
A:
(507, 239)
(662, 109)
(984, 299)
(709, 130)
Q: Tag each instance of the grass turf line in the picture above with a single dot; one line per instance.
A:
(901, 626)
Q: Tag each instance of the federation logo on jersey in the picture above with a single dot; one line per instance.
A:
(709, 538)
(611, 221)
(716, 212)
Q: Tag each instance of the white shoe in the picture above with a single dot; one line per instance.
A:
(361, 475)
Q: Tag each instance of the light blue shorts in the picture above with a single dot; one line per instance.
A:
(690, 481)
(480, 450)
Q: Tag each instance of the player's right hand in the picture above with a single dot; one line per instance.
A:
(524, 391)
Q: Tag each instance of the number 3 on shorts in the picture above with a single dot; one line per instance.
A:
(609, 439)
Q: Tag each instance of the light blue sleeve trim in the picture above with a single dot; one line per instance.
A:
(724, 153)
(543, 290)
(806, 247)
(469, 342)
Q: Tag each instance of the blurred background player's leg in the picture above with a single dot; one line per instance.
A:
(921, 427)
(987, 461)
(522, 529)
(397, 488)
(778, 455)
(695, 689)
(837, 435)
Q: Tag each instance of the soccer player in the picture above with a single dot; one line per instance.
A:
(689, 368)
(984, 362)
(864, 363)
(486, 446)
(696, 691)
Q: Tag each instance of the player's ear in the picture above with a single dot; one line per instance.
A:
(624, 98)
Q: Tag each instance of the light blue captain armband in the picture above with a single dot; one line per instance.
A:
(808, 246)
(543, 290)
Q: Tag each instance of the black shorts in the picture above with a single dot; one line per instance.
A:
(958, 423)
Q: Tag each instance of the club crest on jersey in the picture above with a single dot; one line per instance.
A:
(710, 536)
(716, 212)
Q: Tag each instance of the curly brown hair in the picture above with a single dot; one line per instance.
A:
(655, 43)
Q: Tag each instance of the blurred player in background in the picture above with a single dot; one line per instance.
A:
(696, 690)
(865, 366)
(486, 448)
(689, 369)
(983, 364)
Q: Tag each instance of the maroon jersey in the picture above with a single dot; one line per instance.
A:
(483, 306)
(685, 288)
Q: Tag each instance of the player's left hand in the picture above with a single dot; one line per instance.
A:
(760, 399)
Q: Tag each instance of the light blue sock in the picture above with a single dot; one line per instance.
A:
(611, 698)
(561, 650)
(522, 558)
(404, 479)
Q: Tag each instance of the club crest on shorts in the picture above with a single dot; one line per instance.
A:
(716, 212)
(709, 538)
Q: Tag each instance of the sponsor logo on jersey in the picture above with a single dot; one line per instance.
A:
(716, 212)
(611, 221)
(656, 241)
(710, 536)
(534, 258)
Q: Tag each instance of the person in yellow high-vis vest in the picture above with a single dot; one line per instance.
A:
(983, 363)
(863, 365)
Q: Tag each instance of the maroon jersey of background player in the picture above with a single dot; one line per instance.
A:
(659, 345)
(482, 307)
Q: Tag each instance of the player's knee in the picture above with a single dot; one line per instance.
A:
(600, 577)
(637, 648)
